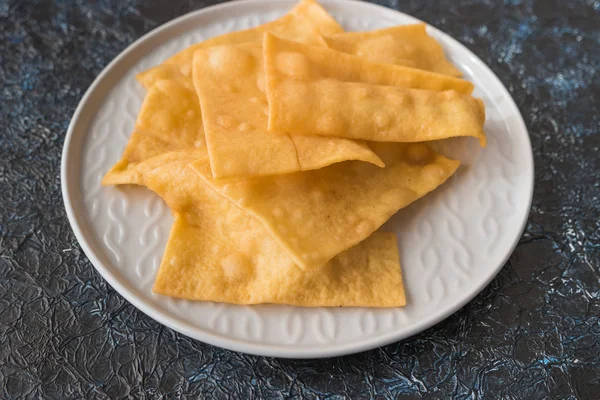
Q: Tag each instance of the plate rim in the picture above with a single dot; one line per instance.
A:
(173, 322)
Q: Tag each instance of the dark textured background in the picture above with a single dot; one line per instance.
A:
(533, 333)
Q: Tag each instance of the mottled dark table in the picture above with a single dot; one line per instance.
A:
(533, 333)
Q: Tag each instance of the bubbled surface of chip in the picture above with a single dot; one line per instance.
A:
(315, 215)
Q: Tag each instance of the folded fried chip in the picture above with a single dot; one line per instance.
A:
(315, 215)
(230, 84)
(303, 23)
(311, 62)
(371, 112)
(217, 252)
(407, 45)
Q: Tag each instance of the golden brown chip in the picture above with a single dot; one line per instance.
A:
(315, 215)
(230, 85)
(407, 45)
(198, 266)
(311, 62)
(370, 112)
(217, 252)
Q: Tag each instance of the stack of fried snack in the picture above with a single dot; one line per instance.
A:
(283, 148)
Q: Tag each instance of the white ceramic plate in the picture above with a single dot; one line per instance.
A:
(452, 242)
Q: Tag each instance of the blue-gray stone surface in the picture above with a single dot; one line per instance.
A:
(534, 333)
